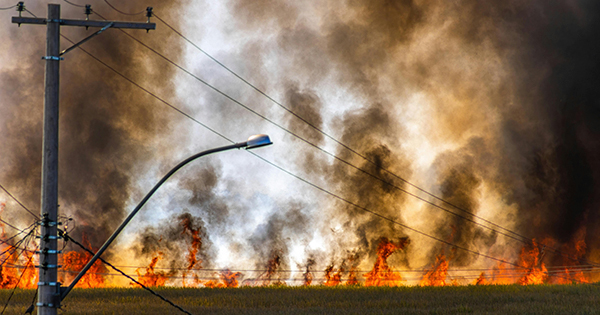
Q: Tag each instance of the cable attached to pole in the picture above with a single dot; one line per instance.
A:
(69, 238)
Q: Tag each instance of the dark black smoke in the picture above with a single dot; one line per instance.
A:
(561, 42)
(172, 239)
(273, 237)
(374, 133)
(108, 128)
(306, 104)
(542, 154)
(549, 139)
(513, 87)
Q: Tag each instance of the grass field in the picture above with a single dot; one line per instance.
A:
(509, 299)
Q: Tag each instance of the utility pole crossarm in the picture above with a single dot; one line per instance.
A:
(86, 23)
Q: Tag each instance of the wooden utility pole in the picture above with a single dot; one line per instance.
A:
(48, 268)
(49, 289)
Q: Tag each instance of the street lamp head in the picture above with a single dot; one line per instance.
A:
(258, 141)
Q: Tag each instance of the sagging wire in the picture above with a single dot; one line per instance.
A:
(515, 236)
(17, 201)
(8, 8)
(310, 183)
(524, 239)
(20, 232)
(274, 165)
(28, 237)
(124, 13)
(74, 4)
(16, 247)
(67, 237)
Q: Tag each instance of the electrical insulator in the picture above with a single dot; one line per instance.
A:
(20, 8)
(149, 13)
(88, 11)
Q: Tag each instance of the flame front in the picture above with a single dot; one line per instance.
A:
(382, 274)
(228, 279)
(151, 278)
(437, 275)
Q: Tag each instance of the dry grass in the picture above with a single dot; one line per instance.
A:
(511, 299)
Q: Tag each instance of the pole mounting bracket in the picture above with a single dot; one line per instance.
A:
(49, 237)
(52, 58)
(52, 284)
(107, 26)
(48, 251)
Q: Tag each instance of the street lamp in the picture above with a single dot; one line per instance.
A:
(253, 142)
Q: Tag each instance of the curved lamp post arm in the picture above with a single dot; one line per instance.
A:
(253, 142)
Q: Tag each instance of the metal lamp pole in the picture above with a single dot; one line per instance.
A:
(252, 143)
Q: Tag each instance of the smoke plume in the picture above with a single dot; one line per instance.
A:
(492, 106)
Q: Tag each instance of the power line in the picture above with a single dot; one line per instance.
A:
(321, 149)
(16, 247)
(278, 167)
(125, 13)
(375, 213)
(515, 270)
(12, 226)
(17, 201)
(13, 248)
(35, 16)
(518, 237)
(522, 237)
(8, 8)
(67, 237)
(74, 4)
(327, 134)
(24, 207)
(18, 281)
(147, 91)
(20, 232)
(310, 143)
(297, 177)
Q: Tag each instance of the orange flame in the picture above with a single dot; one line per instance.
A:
(535, 270)
(481, 280)
(437, 275)
(308, 277)
(352, 277)
(73, 262)
(12, 274)
(572, 254)
(502, 275)
(152, 278)
(382, 274)
(193, 249)
(335, 278)
(228, 280)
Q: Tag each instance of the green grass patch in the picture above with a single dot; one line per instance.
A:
(505, 299)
